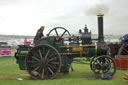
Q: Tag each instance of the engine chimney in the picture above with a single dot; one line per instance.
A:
(100, 28)
(101, 45)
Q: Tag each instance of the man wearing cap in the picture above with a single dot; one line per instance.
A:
(39, 34)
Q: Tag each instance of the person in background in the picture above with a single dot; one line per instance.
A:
(25, 41)
(125, 41)
(39, 34)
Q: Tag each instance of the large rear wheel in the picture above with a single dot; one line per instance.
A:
(43, 62)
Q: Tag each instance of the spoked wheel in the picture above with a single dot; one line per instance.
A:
(92, 61)
(123, 50)
(43, 62)
(103, 64)
(59, 36)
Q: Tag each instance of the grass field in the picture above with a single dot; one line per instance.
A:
(9, 72)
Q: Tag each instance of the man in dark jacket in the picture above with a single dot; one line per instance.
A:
(39, 34)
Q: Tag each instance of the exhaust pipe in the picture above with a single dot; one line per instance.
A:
(101, 45)
(100, 28)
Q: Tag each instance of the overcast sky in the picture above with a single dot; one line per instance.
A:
(24, 17)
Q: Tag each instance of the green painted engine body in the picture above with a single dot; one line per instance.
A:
(20, 55)
(67, 52)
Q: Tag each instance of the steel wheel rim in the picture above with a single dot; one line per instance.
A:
(92, 61)
(109, 61)
(45, 66)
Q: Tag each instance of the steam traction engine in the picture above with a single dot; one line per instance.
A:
(51, 55)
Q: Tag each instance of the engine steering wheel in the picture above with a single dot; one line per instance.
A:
(59, 36)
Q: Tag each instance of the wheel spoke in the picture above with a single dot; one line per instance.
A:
(50, 70)
(51, 66)
(63, 34)
(97, 71)
(99, 62)
(35, 58)
(36, 68)
(111, 64)
(56, 33)
(42, 75)
(102, 61)
(46, 70)
(52, 59)
(40, 54)
(47, 54)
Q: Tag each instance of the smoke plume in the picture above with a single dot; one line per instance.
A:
(98, 9)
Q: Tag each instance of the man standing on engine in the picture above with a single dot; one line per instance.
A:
(39, 34)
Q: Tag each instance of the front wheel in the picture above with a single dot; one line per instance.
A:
(103, 64)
